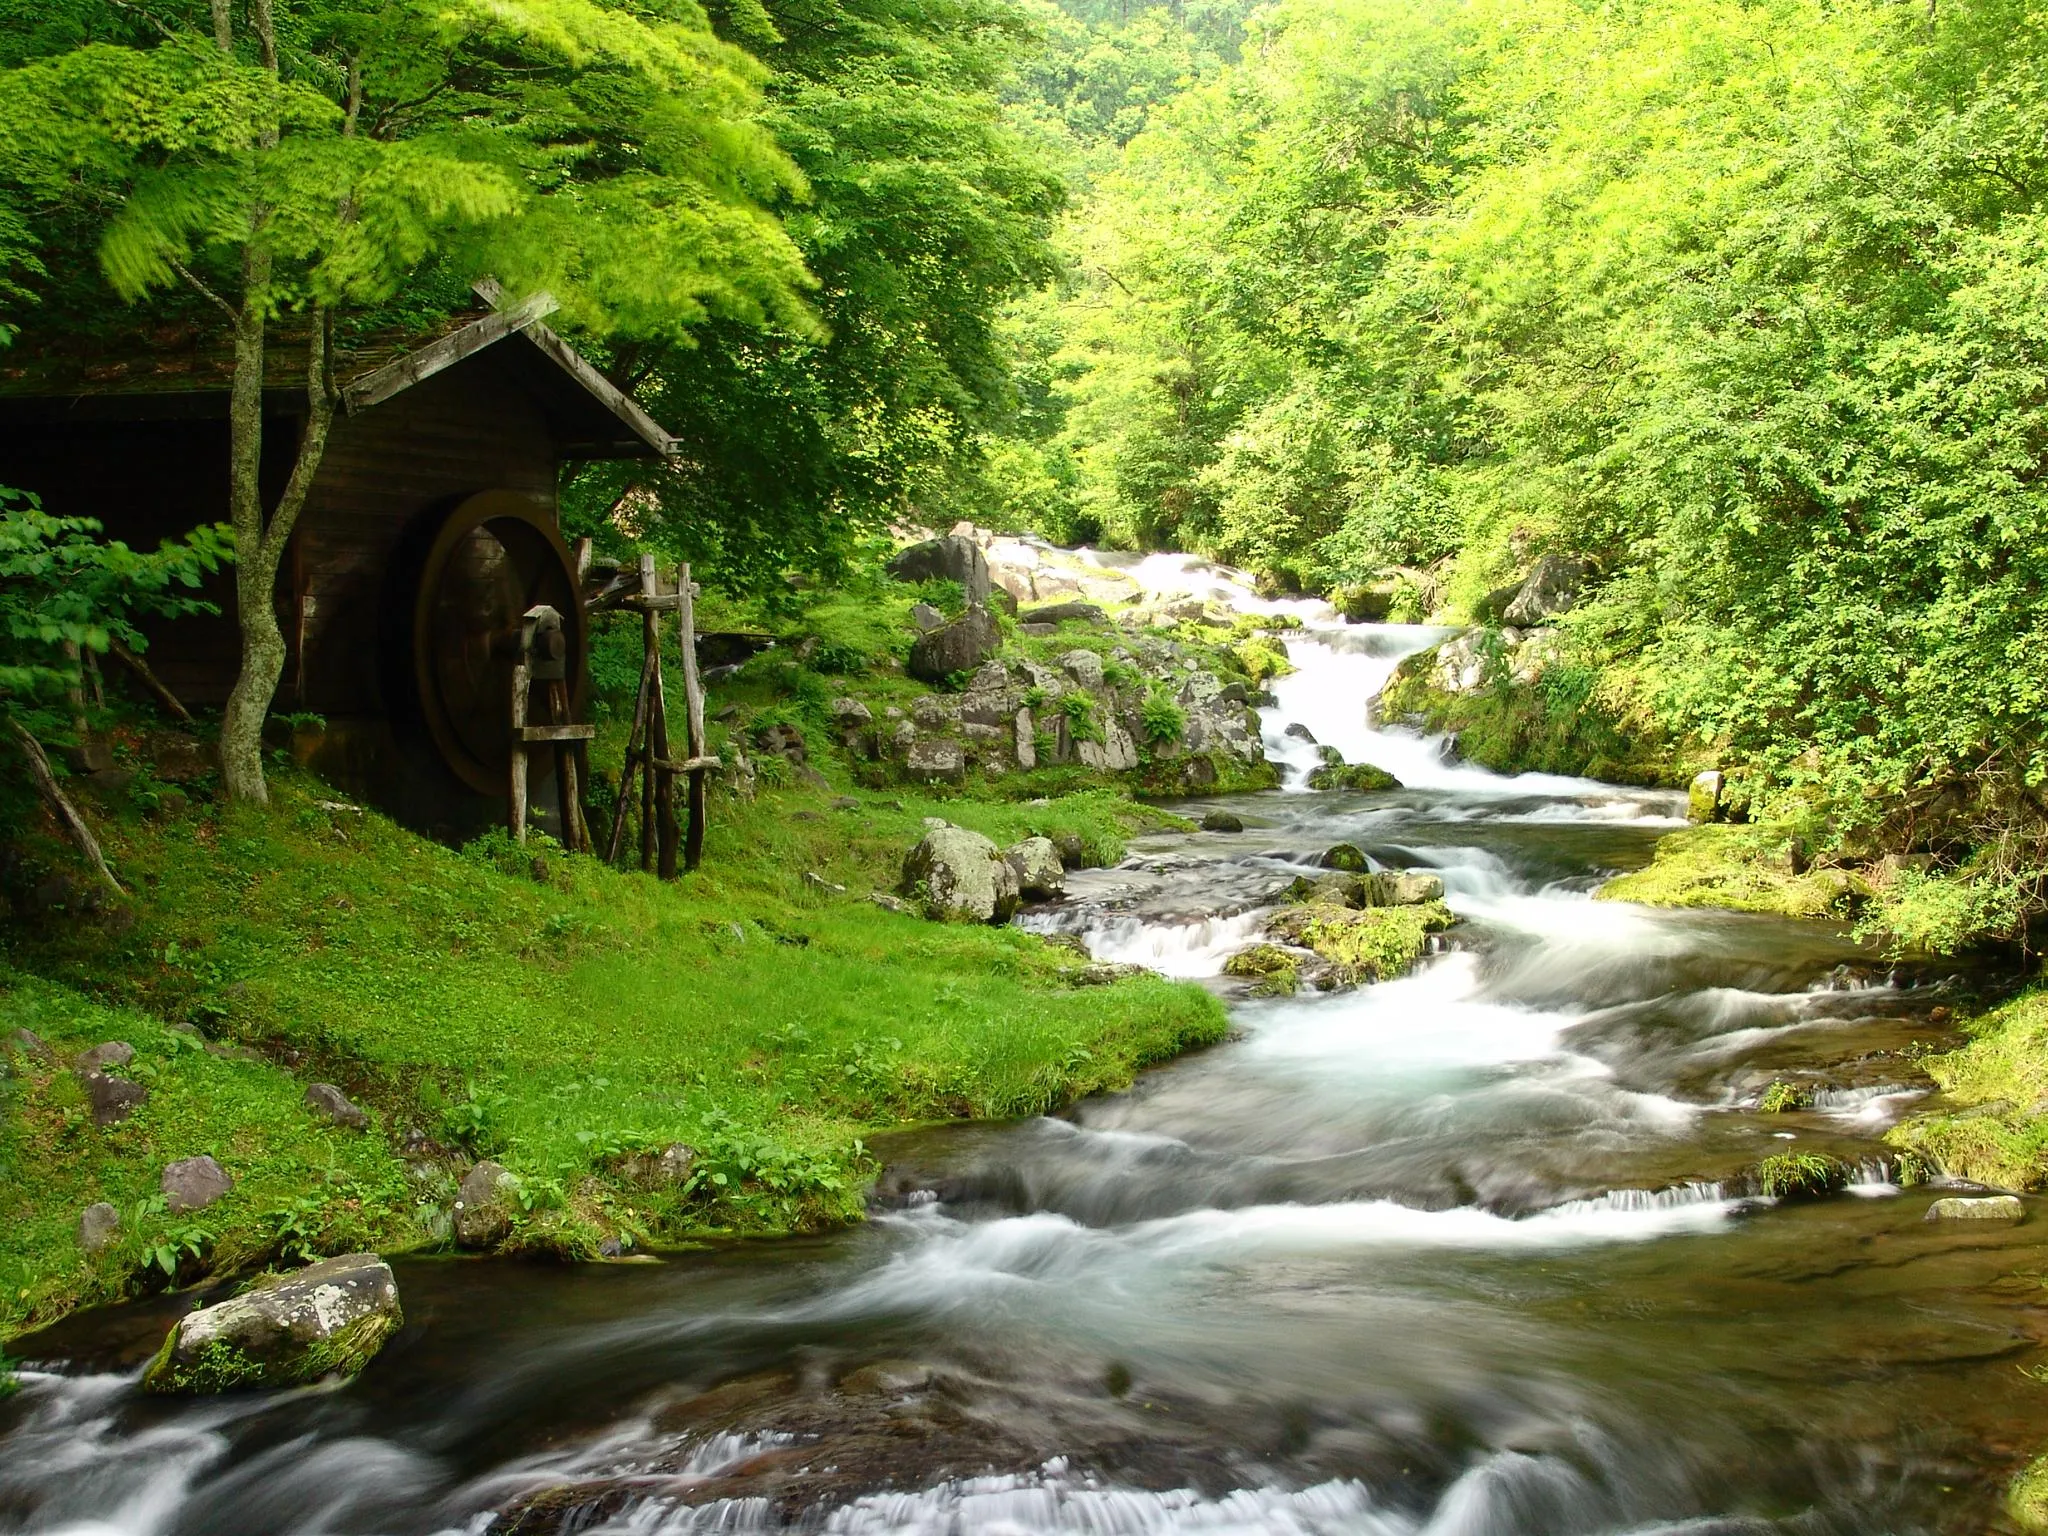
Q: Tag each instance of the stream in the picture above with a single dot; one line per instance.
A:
(1469, 1253)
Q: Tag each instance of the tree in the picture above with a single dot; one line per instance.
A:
(65, 595)
(925, 211)
(315, 159)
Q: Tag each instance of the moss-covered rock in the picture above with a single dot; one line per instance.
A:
(2027, 1499)
(1989, 1129)
(326, 1320)
(1275, 971)
(1744, 868)
(1358, 776)
(1360, 945)
(1799, 1175)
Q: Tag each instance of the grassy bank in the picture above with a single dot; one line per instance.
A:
(1991, 1122)
(543, 1010)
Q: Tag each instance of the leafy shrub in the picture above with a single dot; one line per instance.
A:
(1079, 709)
(1782, 1096)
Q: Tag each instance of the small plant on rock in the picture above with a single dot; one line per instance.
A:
(1163, 719)
(1782, 1096)
(1790, 1175)
(1079, 709)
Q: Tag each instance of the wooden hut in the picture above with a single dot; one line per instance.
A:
(431, 527)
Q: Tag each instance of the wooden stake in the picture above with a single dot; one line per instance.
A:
(59, 802)
(522, 681)
(693, 709)
(568, 783)
(636, 754)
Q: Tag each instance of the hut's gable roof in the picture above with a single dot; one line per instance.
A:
(183, 370)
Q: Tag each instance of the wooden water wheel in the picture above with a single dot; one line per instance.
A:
(494, 557)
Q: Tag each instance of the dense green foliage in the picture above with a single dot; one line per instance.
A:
(1740, 303)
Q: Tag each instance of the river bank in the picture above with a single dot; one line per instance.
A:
(562, 1020)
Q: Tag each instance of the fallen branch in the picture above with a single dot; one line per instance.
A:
(151, 681)
(59, 802)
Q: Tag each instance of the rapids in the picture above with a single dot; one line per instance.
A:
(1470, 1253)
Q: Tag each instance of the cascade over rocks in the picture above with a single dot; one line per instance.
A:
(328, 1319)
(960, 876)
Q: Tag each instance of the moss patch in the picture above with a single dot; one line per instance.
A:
(1744, 868)
(1989, 1127)
(223, 1366)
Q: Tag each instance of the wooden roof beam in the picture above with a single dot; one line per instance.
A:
(573, 363)
(402, 374)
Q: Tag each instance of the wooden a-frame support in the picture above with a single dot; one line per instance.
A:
(647, 749)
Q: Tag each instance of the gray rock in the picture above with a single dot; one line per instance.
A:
(1117, 752)
(1411, 888)
(483, 1205)
(952, 558)
(994, 677)
(1038, 631)
(890, 903)
(980, 706)
(326, 1320)
(1222, 821)
(665, 1169)
(924, 618)
(1551, 588)
(960, 646)
(193, 1183)
(937, 761)
(783, 740)
(849, 714)
(1064, 613)
(1036, 864)
(113, 1099)
(1703, 797)
(1085, 668)
(960, 875)
(1027, 740)
(114, 1053)
(1984, 1208)
(1103, 973)
(98, 1226)
(326, 1100)
(28, 1043)
(934, 713)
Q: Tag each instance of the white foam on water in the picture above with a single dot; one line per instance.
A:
(1184, 950)
(1435, 1016)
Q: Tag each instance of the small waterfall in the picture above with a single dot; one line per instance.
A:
(1188, 949)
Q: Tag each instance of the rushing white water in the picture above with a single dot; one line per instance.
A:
(1390, 1263)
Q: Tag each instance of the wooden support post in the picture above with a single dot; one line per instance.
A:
(522, 682)
(568, 783)
(636, 753)
(693, 709)
(663, 778)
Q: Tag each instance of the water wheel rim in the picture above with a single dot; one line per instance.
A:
(467, 707)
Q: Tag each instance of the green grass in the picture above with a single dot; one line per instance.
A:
(1988, 1124)
(553, 1023)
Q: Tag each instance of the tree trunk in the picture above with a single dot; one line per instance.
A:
(60, 803)
(260, 545)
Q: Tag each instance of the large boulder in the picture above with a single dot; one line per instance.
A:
(1036, 864)
(1064, 613)
(1085, 668)
(960, 646)
(936, 761)
(326, 1320)
(960, 875)
(1359, 776)
(952, 558)
(1703, 796)
(1117, 752)
(483, 1206)
(1550, 588)
(193, 1183)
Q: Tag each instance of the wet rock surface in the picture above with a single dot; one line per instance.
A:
(328, 1319)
